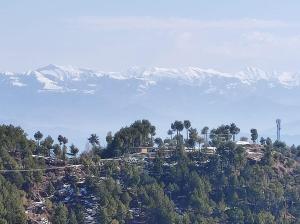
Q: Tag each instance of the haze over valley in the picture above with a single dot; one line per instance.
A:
(79, 101)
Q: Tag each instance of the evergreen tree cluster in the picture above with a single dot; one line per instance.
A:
(190, 186)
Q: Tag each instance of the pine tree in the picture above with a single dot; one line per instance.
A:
(72, 218)
(60, 215)
(187, 125)
(254, 135)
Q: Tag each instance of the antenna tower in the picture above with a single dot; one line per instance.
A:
(278, 123)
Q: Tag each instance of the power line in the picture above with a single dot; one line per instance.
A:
(55, 167)
(40, 169)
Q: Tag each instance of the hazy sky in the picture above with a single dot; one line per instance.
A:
(114, 35)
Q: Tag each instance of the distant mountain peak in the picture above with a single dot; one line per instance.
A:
(59, 78)
(49, 67)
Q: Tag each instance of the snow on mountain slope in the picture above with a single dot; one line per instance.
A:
(67, 78)
(251, 75)
(289, 79)
(65, 96)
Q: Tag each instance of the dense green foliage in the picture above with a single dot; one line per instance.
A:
(15, 153)
(190, 186)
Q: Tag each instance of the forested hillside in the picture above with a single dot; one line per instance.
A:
(192, 176)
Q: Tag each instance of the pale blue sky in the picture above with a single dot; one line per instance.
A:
(114, 35)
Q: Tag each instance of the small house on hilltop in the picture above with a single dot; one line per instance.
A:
(209, 150)
(243, 143)
(166, 153)
(142, 149)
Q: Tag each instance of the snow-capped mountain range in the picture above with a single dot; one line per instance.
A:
(82, 101)
(68, 79)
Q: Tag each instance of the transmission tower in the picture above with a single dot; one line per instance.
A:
(278, 123)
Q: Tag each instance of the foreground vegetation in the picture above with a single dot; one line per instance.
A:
(189, 185)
